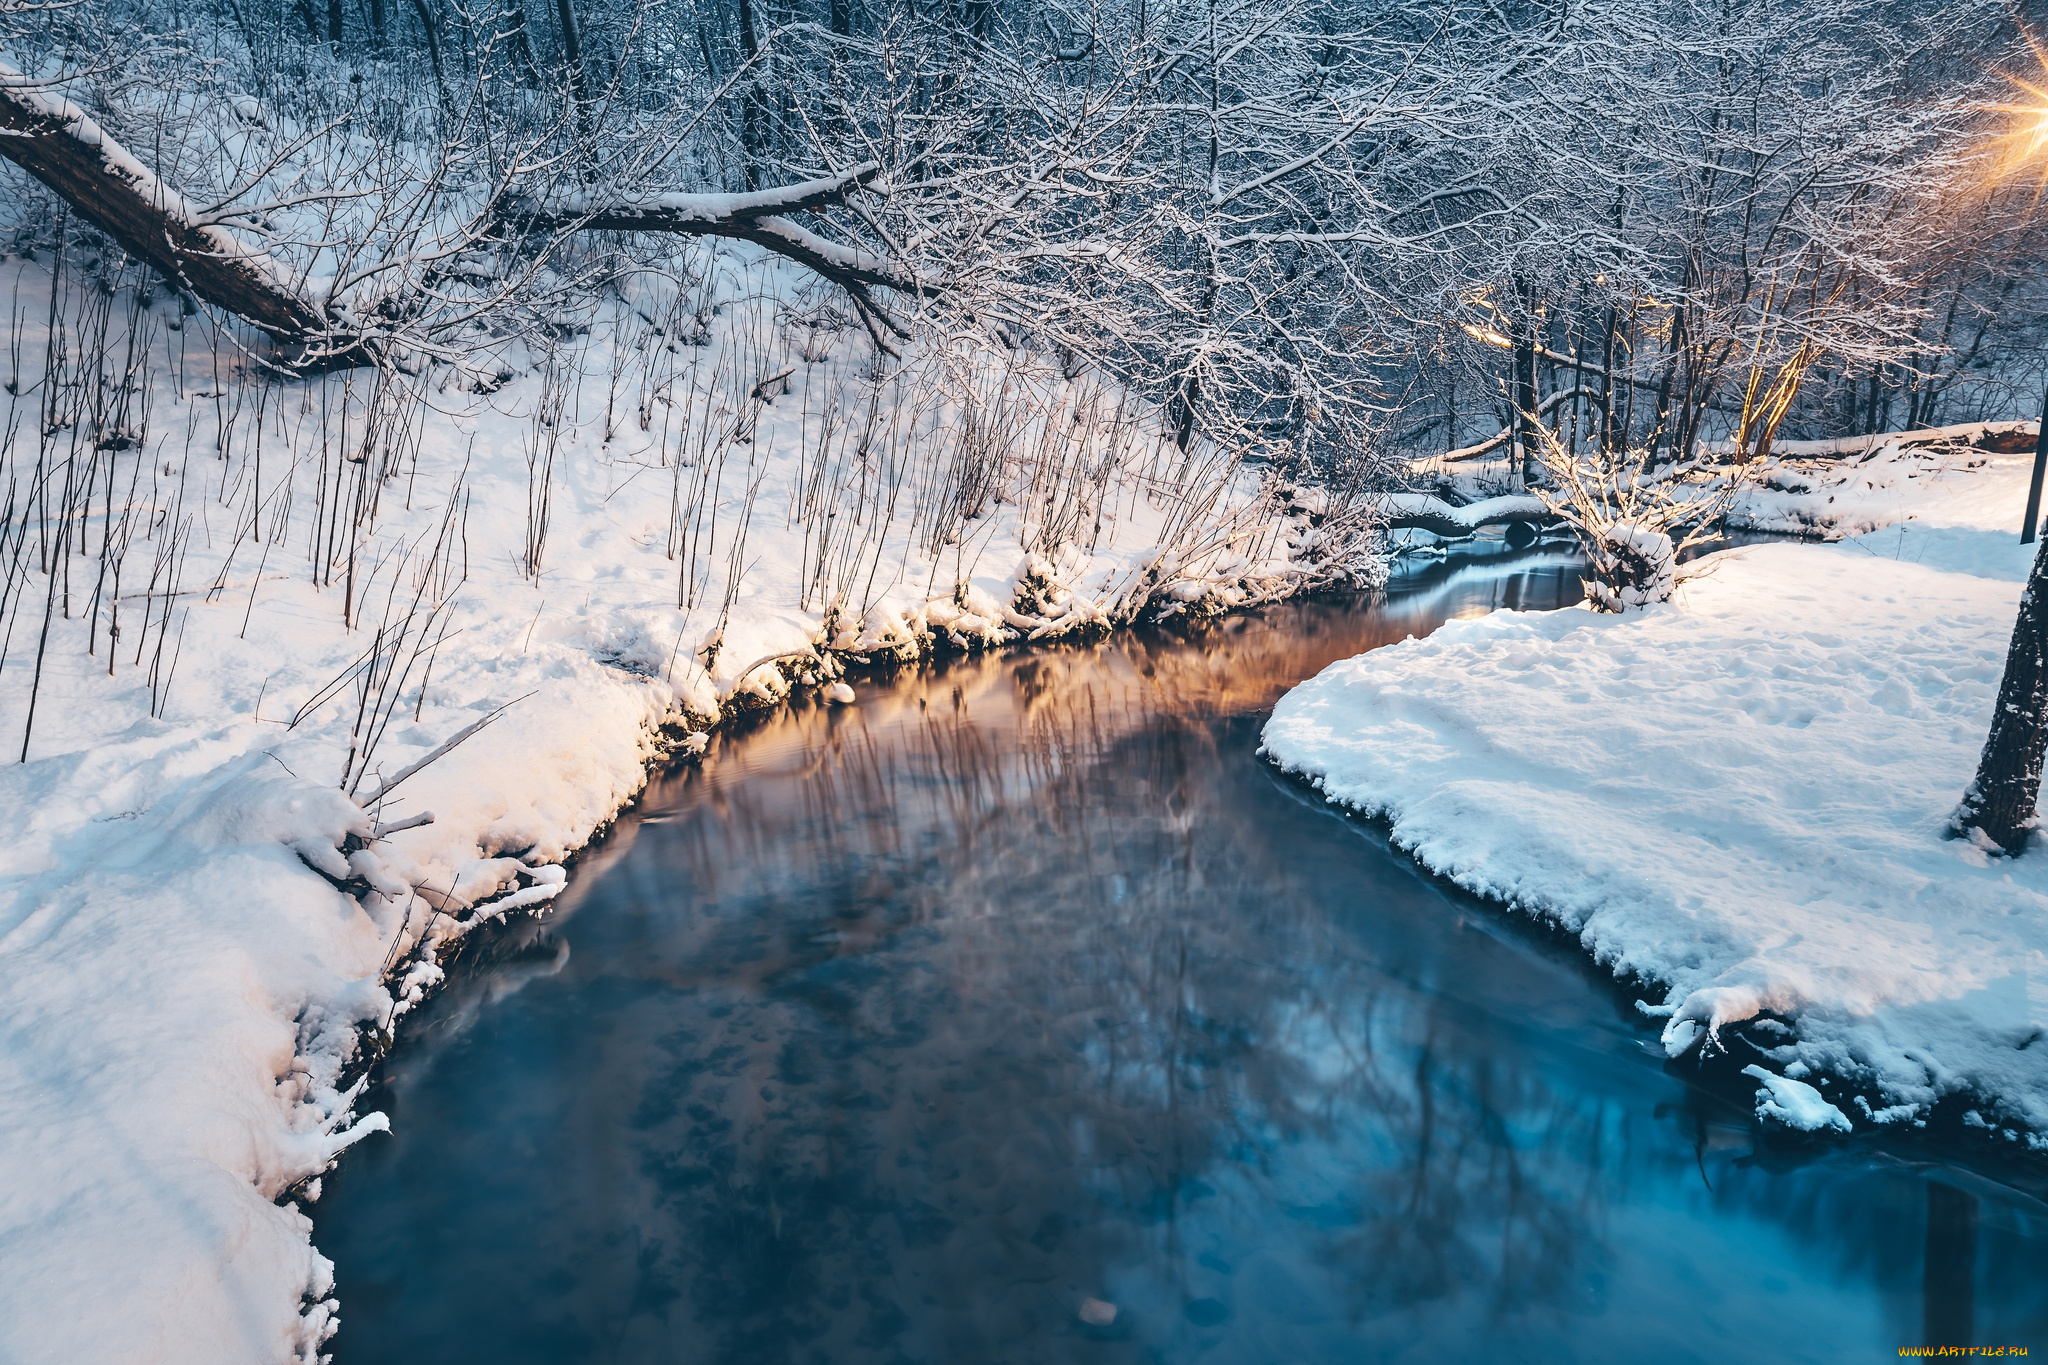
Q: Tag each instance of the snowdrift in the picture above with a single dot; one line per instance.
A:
(1741, 796)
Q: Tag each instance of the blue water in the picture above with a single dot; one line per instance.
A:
(900, 1031)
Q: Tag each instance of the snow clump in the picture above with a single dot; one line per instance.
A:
(1631, 565)
(1795, 1103)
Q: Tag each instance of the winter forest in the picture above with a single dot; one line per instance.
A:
(761, 680)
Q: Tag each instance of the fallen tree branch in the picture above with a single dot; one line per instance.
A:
(739, 679)
(1426, 512)
(56, 141)
(2003, 438)
(385, 831)
(680, 212)
(61, 145)
(759, 217)
(447, 746)
(1499, 438)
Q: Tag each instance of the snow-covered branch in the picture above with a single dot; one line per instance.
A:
(54, 140)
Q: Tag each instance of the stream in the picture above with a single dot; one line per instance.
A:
(1019, 1012)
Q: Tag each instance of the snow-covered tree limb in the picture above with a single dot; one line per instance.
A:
(757, 216)
(54, 140)
(1424, 512)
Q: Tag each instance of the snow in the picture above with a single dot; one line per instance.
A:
(1960, 433)
(1912, 487)
(1740, 796)
(678, 206)
(1424, 511)
(199, 932)
(1645, 564)
(1794, 1103)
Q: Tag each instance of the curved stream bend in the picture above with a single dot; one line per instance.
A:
(902, 1031)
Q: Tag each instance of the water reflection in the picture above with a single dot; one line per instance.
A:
(1950, 1265)
(899, 1031)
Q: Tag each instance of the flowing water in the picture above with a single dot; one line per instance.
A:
(934, 1027)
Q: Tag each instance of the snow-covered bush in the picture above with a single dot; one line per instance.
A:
(1629, 565)
(1634, 521)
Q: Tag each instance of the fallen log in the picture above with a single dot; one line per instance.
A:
(760, 216)
(1427, 512)
(1499, 438)
(1999, 438)
(61, 145)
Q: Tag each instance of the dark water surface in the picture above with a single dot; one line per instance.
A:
(900, 1030)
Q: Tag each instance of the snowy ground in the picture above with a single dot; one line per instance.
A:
(198, 928)
(1739, 796)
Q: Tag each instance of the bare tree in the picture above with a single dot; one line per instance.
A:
(1634, 518)
(2001, 803)
(1287, 221)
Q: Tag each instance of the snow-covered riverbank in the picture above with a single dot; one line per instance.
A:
(197, 926)
(1741, 795)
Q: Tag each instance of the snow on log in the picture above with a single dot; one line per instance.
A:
(678, 212)
(1499, 438)
(1425, 512)
(2004, 438)
(61, 145)
(758, 216)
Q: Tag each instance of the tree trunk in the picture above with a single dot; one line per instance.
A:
(430, 26)
(572, 61)
(1523, 395)
(753, 115)
(2000, 803)
(522, 43)
(55, 141)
